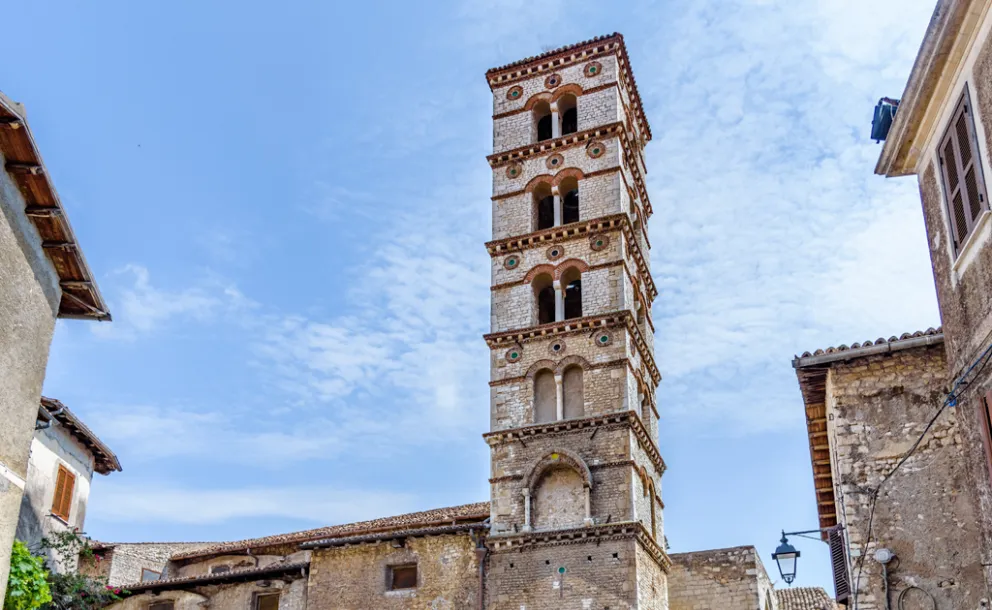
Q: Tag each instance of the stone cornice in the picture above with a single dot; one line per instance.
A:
(579, 229)
(575, 139)
(566, 56)
(576, 325)
(623, 530)
(567, 426)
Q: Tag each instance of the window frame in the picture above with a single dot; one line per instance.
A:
(256, 600)
(391, 576)
(65, 480)
(985, 422)
(158, 575)
(970, 212)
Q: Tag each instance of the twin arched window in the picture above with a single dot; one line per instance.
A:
(555, 303)
(554, 206)
(555, 400)
(556, 119)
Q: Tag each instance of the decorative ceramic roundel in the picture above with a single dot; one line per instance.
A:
(555, 252)
(514, 171)
(555, 161)
(593, 69)
(599, 242)
(511, 262)
(604, 339)
(552, 81)
(513, 354)
(595, 149)
(515, 93)
(558, 347)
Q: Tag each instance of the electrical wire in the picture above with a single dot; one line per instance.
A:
(957, 390)
(900, 601)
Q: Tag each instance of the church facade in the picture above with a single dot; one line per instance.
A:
(575, 517)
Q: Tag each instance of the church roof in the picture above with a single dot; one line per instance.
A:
(804, 598)
(438, 516)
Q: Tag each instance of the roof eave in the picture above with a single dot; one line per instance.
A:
(952, 26)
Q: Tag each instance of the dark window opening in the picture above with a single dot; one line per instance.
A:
(985, 416)
(147, 575)
(544, 128)
(570, 207)
(167, 605)
(403, 577)
(573, 300)
(267, 601)
(546, 213)
(221, 569)
(546, 305)
(570, 121)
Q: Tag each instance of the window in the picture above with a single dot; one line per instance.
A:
(961, 170)
(985, 421)
(569, 189)
(569, 114)
(544, 203)
(266, 601)
(838, 559)
(544, 297)
(572, 281)
(545, 397)
(65, 483)
(220, 569)
(402, 577)
(147, 575)
(542, 120)
(166, 605)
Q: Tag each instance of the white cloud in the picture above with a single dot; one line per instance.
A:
(135, 502)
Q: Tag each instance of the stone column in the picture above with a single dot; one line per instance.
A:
(527, 526)
(588, 520)
(560, 397)
(555, 121)
(558, 213)
(559, 301)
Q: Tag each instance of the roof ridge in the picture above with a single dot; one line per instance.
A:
(880, 341)
(552, 52)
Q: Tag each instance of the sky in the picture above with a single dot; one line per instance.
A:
(285, 207)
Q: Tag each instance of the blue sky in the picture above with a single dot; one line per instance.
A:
(285, 207)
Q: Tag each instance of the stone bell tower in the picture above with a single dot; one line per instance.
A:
(576, 517)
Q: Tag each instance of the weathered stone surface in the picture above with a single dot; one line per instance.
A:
(728, 579)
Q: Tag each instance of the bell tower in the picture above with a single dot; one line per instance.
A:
(576, 512)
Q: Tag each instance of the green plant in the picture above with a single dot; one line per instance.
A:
(27, 586)
(71, 590)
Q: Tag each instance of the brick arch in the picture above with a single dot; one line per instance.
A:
(581, 265)
(544, 96)
(572, 88)
(539, 366)
(566, 458)
(568, 361)
(571, 172)
(536, 180)
(538, 270)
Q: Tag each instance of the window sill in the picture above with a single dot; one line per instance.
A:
(971, 247)
(60, 519)
(411, 592)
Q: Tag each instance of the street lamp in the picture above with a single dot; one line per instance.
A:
(785, 556)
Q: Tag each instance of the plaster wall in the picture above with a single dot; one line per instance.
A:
(29, 298)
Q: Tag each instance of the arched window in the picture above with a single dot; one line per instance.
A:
(559, 500)
(571, 281)
(542, 120)
(545, 397)
(568, 110)
(544, 204)
(645, 409)
(544, 297)
(574, 401)
(654, 517)
(569, 189)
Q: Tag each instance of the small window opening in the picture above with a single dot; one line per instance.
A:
(569, 114)
(166, 605)
(403, 577)
(545, 204)
(148, 575)
(570, 200)
(267, 601)
(220, 569)
(542, 118)
(544, 293)
(573, 293)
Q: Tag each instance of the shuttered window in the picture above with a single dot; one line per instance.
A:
(961, 169)
(65, 482)
(267, 601)
(838, 559)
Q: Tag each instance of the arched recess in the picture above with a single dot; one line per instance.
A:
(572, 263)
(545, 397)
(568, 172)
(558, 492)
(568, 190)
(542, 285)
(544, 206)
(568, 113)
(571, 283)
(538, 98)
(652, 496)
(570, 89)
(536, 181)
(542, 119)
(556, 459)
(574, 393)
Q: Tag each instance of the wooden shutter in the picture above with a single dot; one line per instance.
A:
(838, 559)
(65, 483)
(961, 169)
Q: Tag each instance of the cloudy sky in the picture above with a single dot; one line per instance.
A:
(285, 207)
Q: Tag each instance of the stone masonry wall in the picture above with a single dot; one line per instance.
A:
(355, 577)
(728, 579)
(122, 564)
(29, 298)
(235, 596)
(926, 514)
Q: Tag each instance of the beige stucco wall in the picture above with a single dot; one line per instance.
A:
(50, 448)
(29, 297)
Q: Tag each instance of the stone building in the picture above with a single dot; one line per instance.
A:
(64, 456)
(575, 516)
(43, 276)
(900, 429)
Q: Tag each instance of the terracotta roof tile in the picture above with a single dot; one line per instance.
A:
(437, 516)
(804, 598)
(203, 579)
(552, 53)
(105, 460)
(880, 341)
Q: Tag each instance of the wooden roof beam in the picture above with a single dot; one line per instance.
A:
(32, 169)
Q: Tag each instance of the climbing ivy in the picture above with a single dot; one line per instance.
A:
(27, 585)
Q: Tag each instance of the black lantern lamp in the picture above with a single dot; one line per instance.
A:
(785, 556)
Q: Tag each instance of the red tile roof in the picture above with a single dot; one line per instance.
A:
(804, 598)
(930, 332)
(207, 579)
(438, 516)
(104, 459)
